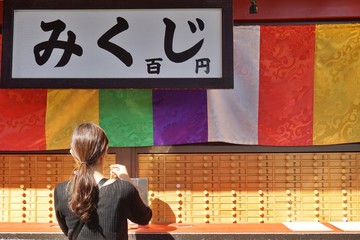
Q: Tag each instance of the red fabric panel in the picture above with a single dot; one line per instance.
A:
(286, 85)
(0, 51)
(22, 119)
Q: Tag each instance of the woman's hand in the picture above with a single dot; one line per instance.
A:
(119, 171)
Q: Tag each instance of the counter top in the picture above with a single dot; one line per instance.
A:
(187, 231)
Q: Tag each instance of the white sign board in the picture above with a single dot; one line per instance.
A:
(118, 44)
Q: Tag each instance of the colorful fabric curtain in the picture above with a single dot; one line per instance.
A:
(233, 114)
(294, 85)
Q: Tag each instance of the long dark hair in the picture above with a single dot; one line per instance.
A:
(88, 145)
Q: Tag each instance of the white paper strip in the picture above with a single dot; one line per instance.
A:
(347, 226)
(306, 226)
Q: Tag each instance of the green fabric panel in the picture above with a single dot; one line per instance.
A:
(126, 116)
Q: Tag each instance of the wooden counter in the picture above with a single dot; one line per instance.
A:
(246, 231)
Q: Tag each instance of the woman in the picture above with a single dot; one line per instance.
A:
(84, 208)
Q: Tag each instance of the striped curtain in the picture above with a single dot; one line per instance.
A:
(294, 85)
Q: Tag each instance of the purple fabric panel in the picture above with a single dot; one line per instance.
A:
(180, 116)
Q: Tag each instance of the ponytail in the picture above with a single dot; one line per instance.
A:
(89, 144)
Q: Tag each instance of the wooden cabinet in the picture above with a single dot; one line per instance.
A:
(27, 183)
(239, 188)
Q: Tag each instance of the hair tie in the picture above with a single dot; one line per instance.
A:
(81, 163)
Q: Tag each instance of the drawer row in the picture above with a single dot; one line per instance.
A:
(251, 157)
(231, 164)
(250, 186)
(249, 177)
(249, 212)
(248, 171)
(248, 219)
(337, 200)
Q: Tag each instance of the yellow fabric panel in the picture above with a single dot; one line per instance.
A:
(337, 84)
(65, 110)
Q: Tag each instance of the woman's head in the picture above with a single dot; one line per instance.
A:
(88, 147)
(88, 144)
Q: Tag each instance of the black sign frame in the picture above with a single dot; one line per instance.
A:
(225, 82)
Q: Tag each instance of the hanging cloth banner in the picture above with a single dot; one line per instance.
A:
(294, 86)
